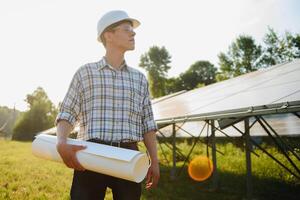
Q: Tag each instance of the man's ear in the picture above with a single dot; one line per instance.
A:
(108, 36)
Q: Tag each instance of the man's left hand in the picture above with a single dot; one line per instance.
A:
(152, 175)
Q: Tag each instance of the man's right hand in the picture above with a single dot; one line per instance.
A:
(68, 154)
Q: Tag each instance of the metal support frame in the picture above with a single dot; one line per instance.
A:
(191, 150)
(280, 139)
(173, 171)
(243, 136)
(272, 157)
(196, 140)
(278, 144)
(170, 147)
(200, 140)
(231, 137)
(275, 159)
(248, 149)
(214, 157)
(253, 123)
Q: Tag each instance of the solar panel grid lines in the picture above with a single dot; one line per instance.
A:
(266, 91)
(256, 88)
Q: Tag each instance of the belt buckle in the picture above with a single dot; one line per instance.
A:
(115, 144)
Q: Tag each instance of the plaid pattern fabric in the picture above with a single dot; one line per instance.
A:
(111, 105)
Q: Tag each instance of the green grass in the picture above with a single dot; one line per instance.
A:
(24, 176)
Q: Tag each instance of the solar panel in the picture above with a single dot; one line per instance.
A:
(277, 84)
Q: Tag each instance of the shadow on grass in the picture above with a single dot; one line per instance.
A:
(231, 187)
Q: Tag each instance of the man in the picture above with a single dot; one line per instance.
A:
(111, 102)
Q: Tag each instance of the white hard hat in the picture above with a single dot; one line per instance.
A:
(113, 17)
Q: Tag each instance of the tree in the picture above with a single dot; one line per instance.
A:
(173, 85)
(279, 49)
(40, 116)
(156, 63)
(199, 73)
(296, 42)
(242, 57)
(8, 118)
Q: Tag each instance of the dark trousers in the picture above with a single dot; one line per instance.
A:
(88, 185)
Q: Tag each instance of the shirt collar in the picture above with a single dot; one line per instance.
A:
(103, 63)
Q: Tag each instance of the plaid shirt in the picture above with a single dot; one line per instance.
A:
(110, 105)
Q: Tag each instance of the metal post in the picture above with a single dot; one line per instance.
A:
(248, 159)
(214, 156)
(173, 170)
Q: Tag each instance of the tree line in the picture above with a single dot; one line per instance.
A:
(8, 118)
(243, 55)
(24, 126)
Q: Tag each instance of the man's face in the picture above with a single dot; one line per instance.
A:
(123, 36)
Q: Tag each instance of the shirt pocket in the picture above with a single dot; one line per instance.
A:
(137, 102)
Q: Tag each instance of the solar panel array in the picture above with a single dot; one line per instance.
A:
(280, 83)
(276, 84)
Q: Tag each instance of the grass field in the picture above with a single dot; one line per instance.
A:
(24, 176)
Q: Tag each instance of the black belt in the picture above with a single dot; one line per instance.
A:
(126, 145)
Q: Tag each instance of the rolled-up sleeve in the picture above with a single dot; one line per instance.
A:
(70, 107)
(148, 122)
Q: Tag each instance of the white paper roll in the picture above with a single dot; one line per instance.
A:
(118, 162)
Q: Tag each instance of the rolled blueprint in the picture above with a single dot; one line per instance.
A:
(118, 162)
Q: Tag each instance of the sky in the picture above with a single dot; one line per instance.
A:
(44, 42)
